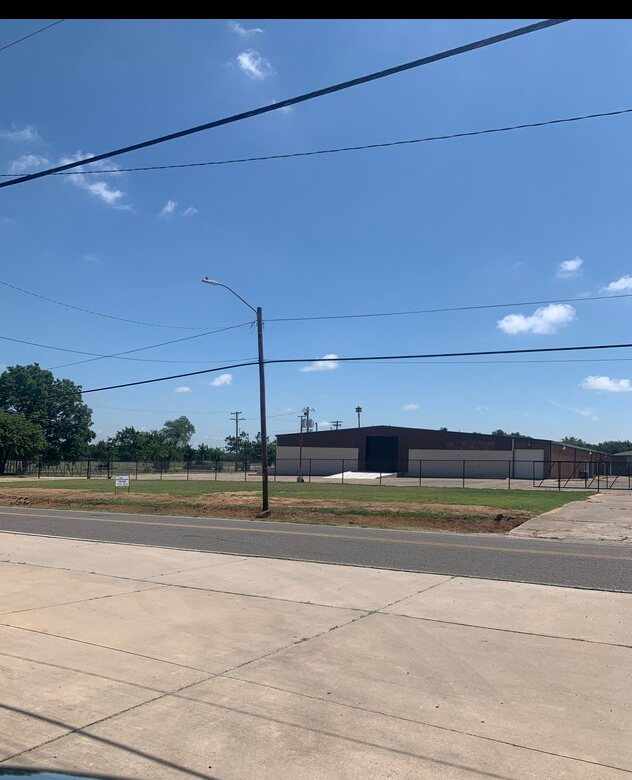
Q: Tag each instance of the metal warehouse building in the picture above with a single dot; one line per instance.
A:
(412, 452)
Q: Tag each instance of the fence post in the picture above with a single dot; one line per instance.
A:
(598, 474)
(508, 475)
(137, 469)
(463, 473)
(39, 468)
(533, 471)
(559, 475)
(188, 467)
(342, 482)
(216, 464)
(109, 468)
(380, 471)
(420, 464)
(88, 470)
(309, 478)
(161, 468)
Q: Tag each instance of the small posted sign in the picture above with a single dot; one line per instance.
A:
(121, 481)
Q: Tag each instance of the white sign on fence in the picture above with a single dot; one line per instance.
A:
(121, 482)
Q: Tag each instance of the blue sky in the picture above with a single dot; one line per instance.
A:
(462, 222)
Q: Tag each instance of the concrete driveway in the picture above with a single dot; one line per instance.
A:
(604, 516)
(158, 663)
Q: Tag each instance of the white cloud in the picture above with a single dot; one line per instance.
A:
(545, 320)
(568, 269)
(482, 409)
(221, 380)
(606, 383)
(92, 258)
(254, 65)
(99, 188)
(182, 389)
(27, 133)
(328, 363)
(621, 285)
(324, 424)
(581, 410)
(168, 209)
(243, 31)
(410, 407)
(28, 162)
(103, 191)
(191, 211)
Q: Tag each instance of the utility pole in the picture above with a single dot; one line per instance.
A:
(300, 450)
(236, 419)
(262, 395)
(308, 422)
(358, 411)
(335, 424)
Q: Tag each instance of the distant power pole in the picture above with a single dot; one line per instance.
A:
(235, 416)
(308, 422)
(335, 424)
(358, 411)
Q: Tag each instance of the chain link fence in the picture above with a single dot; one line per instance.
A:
(506, 474)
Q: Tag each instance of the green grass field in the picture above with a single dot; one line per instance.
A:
(532, 501)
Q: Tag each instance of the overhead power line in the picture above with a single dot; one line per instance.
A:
(449, 309)
(98, 356)
(153, 346)
(179, 411)
(360, 359)
(322, 317)
(531, 28)
(124, 355)
(30, 35)
(99, 313)
(495, 362)
(336, 150)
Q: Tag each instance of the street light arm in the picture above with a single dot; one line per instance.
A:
(206, 280)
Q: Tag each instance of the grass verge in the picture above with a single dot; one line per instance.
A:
(457, 509)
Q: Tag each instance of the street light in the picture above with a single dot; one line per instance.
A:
(358, 411)
(262, 395)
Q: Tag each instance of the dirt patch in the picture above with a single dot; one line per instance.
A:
(383, 514)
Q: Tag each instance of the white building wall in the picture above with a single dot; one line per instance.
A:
(319, 461)
(528, 464)
(494, 464)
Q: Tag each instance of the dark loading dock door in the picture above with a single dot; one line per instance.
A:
(381, 453)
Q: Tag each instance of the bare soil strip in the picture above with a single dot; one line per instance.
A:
(382, 514)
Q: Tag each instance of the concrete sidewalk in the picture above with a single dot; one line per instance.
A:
(604, 516)
(157, 663)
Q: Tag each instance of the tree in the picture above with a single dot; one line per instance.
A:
(178, 432)
(128, 443)
(53, 404)
(575, 442)
(241, 447)
(255, 451)
(499, 432)
(101, 450)
(612, 447)
(154, 445)
(19, 438)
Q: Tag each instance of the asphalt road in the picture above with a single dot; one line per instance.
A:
(600, 565)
